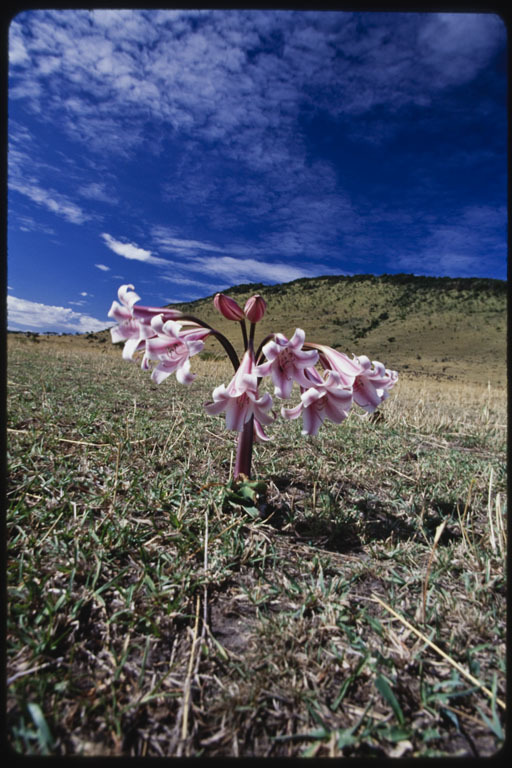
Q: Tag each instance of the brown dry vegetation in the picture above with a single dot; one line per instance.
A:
(148, 617)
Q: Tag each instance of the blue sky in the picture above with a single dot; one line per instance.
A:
(188, 151)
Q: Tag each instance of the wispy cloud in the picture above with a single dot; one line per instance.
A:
(197, 283)
(132, 252)
(250, 270)
(454, 246)
(22, 313)
(29, 224)
(103, 267)
(166, 240)
(98, 191)
(51, 200)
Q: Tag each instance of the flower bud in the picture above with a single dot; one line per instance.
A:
(228, 307)
(255, 308)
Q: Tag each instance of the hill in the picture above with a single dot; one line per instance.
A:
(445, 327)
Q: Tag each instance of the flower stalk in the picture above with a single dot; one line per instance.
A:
(243, 458)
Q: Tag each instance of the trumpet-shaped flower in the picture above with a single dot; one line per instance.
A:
(286, 362)
(372, 385)
(134, 323)
(324, 399)
(239, 400)
(172, 346)
(371, 380)
(346, 368)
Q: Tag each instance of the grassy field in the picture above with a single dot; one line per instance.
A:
(363, 616)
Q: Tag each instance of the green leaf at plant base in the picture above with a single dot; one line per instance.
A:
(386, 692)
(43, 732)
(245, 493)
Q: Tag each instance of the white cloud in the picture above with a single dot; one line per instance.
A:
(251, 270)
(456, 46)
(224, 74)
(50, 199)
(43, 317)
(167, 241)
(454, 246)
(97, 191)
(131, 251)
(102, 267)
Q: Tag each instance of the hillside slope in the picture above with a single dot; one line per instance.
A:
(447, 327)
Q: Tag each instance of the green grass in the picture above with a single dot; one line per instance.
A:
(147, 618)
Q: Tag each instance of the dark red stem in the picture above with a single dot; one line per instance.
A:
(244, 449)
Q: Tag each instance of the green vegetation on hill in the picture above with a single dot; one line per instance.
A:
(447, 327)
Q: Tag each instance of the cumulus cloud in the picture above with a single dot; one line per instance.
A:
(22, 313)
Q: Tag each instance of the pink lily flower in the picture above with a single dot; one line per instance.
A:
(286, 361)
(370, 380)
(372, 385)
(337, 361)
(240, 399)
(173, 346)
(326, 399)
(134, 323)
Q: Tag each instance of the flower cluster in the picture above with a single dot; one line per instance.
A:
(155, 331)
(329, 381)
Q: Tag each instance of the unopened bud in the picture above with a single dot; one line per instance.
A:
(228, 307)
(255, 308)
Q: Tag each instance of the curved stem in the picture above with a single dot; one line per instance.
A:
(244, 333)
(230, 351)
(228, 347)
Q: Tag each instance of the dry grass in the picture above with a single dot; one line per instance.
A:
(363, 616)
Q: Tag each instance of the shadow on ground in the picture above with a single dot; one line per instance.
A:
(348, 517)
